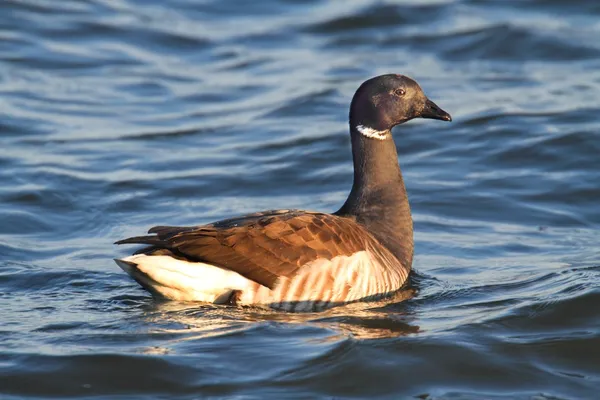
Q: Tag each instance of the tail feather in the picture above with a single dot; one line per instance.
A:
(181, 280)
(166, 231)
(151, 240)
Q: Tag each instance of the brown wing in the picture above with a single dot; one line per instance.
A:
(263, 246)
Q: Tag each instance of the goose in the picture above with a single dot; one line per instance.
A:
(303, 261)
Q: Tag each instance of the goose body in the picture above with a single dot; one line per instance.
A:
(296, 260)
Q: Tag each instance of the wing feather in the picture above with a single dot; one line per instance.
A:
(263, 246)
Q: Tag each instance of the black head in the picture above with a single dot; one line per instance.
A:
(385, 101)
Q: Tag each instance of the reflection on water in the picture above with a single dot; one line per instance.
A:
(370, 320)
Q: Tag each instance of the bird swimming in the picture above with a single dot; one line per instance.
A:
(294, 260)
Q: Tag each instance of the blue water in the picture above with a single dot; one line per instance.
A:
(117, 115)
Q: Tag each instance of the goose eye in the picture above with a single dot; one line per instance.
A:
(399, 92)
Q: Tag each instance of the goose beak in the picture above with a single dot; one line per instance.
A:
(432, 111)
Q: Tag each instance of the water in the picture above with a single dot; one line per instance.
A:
(120, 115)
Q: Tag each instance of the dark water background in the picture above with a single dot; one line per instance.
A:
(117, 115)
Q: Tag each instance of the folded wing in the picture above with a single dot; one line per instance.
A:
(263, 246)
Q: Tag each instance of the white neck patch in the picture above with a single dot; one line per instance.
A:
(372, 133)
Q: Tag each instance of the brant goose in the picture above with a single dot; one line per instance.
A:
(295, 260)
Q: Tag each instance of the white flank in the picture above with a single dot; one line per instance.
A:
(317, 285)
(181, 280)
(372, 133)
(325, 282)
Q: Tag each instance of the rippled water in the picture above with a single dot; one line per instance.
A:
(117, 115)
